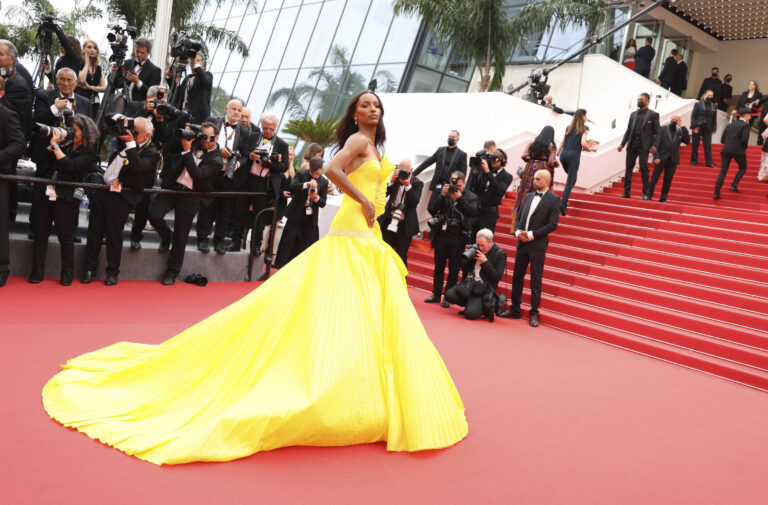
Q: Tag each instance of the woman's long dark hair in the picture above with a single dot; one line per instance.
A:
(347, 124)
(540, 146)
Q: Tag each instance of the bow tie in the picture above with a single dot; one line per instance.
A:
(231, 125)
(539, 194)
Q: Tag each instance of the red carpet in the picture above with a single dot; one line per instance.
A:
(554, 419)
(685, 281)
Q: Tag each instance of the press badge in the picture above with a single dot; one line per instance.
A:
(50, 192)
(116, 186)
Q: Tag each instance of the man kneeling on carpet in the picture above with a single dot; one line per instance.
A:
(483, 267)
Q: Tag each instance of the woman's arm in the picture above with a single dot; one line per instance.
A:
(356, 145)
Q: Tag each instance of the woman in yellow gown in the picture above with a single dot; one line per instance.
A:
(328, 352)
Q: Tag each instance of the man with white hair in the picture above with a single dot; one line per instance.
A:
(128, 165)
(267, 159)
(18, 85)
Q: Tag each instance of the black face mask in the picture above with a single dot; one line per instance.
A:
(708, 99)
(451, 141)
(727, 80)
(714, 74)
(673, 125)
(640, 104)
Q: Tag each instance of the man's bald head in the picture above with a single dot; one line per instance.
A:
(541, 179)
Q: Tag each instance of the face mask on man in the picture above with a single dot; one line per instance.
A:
(640, 104)
(451, 141)
(673, 124)
(708, 99)
(714, 74)
(727, 79)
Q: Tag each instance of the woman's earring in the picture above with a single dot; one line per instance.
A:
(355, 121)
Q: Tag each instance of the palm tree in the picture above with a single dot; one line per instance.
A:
(485, 32)
(318, 131)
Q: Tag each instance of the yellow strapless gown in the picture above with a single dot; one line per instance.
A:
(328, 352)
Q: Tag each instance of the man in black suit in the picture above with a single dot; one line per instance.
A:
(400, 222)
(643, 58)
(668, 75)
(490, 184)
(453, 208)
(667, 155)
(642, 130)
(447, 159)
(233, 141)
(703, 126)
(735, 140)
(538, 218)
(245, 122)
(482, 273)
(126, 172)
(138, 74)
(193, 94)
(18, 86)
(309, 189)
(12, 146)
(681, 82)
(267, 160)
(712, 84)
(199, 163)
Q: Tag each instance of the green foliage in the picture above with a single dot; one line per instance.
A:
(318, 131)
(220, 101)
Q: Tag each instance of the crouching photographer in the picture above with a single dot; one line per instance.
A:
(450, 231)
(489, 182)
(399, 222)
(484, 266)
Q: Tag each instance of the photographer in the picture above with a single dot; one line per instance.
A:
(71, 54)
(200, 162)
(18, 86)
(450, 230)
(399, 222)
(267, 161)
(245, 122)
(548, 103)
(447, 159)
(136, 75)
(193, 94)
(491, 181)
(72, 149)
(484, 266)
(309, 189)
(126, 173)
(233, 143)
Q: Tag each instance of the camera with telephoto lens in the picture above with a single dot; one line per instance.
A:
(190, 133)
(450, 221)
(268, 159)
(397, 216)
(184, 47)
(168, 111)
(470, 252)
(118, 41)
(476, 161)
(118, 124)
(232, 164)
(67, 133)
(403, 174)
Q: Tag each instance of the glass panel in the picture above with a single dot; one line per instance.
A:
(374, 32)
(284, 80)
(423, 81)
(388, 77)
(326, 93)
(260, 40)
(563, 43)
(451, 85)
(400, 41)
(321, 39)
(460, 66)
(349, 29)
(244, 84)
(259, 92)
(297, 46)
(240, 7)
(221, 95)
(282, 33)
(296, 99)
(235, 61)
(433, 53)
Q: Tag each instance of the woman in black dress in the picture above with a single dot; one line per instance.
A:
(573, 143)
(90, 80)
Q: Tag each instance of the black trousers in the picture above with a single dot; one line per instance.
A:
(219, 211)
(570, 159)
(524, 256)
(668, 168)
(5, 227)
(484, 221)
(298, 235)
(635, 152)
(705, 137)
(473, 305)
(184, 208)
(258, 203)
(741, 161)
(109, 213)
(399, 241)
(448, 249)
(140, 217)
(62, 214)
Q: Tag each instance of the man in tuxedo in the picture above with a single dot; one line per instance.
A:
(135, 157)
(309, 189)
(703, 126)
(400, 222)
(12, 146)
(712, 84)
(267, 160)
(245, 122)
(681, 81)
(642, 130)
(668, 76)
(138, 74)
(482, 273)
(233, 141)
(643, 58)
(667, 155)
(193, 94)
(200, 162)
(735, 140)
(453, 208)
(447, 159)
(538, 218)
(490, 184)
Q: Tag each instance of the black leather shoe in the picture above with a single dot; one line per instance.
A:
(562, 212)
(644, 197)
(662, 200)
(444, 304)
(87, 277)
(169, 280)
(35, 279)
(491, 316)
(66, 279)
(735, 189)
(432, 299)
(165, 246)
(624, 195)
(461, 312)
(715, 197)
(510, 314)
(203, 245)
(3, 279)
(219, 248)
(111, 280)
(233, 247)
(711, 165)
(135, 245)
(534, 320)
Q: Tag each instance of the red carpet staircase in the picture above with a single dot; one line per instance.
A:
(684, 281)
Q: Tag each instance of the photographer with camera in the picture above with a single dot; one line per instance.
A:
(484, 266)
(74, 155)
(200, 162)
(447, 159)
(18, 86)
(71, 54)
(399, 222)
(245, 122)
(12, 147)
(192, 94)
(309, 189)
(450, 230)
(233, 143)
(136, 75)
(135, 157)
(267, 161)
(491, 181)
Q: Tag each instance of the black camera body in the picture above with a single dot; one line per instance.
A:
(268, 159)
(168, 111)
(232, 164)
(118, 125)
(46, 131)
(185, 47)
(475, 161)
(118, 42)
(469, 254)
(403, 174)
